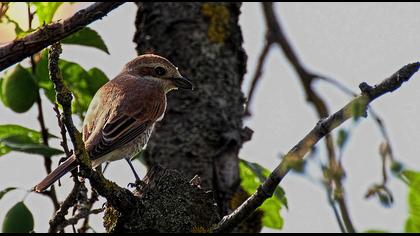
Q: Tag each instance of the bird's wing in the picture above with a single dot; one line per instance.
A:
(120, 113)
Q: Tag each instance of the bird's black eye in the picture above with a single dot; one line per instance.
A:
(160, 71)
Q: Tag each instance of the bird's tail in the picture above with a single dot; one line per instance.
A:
(61, 170)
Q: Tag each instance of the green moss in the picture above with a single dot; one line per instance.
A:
(219, 21)
(200, 229)
(84, 158)
(110, 219)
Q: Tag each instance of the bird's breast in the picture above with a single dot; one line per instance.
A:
(163, 113)
(129, 150)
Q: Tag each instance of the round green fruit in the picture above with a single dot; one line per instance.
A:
(19, 90)
(18, 220)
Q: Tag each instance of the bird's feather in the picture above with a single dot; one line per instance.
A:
(135, 112)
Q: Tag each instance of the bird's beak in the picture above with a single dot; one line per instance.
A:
(183, 83)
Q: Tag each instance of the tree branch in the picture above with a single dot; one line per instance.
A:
(306, 78)
(21, 48)
(63, 132)
(258, 73)
(322, 128)
(59, 217)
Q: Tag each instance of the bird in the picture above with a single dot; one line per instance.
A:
(123, 112)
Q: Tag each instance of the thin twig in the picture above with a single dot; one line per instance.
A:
(44, 131)
(378, 120)
(323, 127)
(338, 85)
(59, 216)
(386, 149)
(63, 132)
(258, 73)
(4, 7)
(93, 198)
(333, 206)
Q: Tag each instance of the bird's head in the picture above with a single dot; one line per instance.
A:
(158, 69)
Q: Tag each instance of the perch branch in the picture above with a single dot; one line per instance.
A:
(322, 128)
(19, 49)
(378, 120)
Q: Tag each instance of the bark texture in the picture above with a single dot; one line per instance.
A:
(202, 131)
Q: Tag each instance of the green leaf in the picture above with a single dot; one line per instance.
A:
(7, 130)
(412, 178)
(86, 37)
(252, 175)
(376, 231)
(76, 79)
(18, 220)
(358, 110)
(24, 144)
(412, 225)
(272, 218)
(97, 79)
(281, 196)
(342, 138)
(18, 30)
(2, 193)
(45, 11)
(397, 168)
(42, 77)
(1, 92)
(82, 83)
(16, 130)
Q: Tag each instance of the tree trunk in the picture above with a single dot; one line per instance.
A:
(202, 131)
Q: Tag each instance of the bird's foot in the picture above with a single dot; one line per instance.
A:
(139, 184)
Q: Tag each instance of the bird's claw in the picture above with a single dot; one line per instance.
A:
(138, 184)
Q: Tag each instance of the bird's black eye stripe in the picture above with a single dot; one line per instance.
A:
(160, 71)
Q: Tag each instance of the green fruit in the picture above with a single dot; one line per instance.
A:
(1, 92)
(18, 220)
(19, 90)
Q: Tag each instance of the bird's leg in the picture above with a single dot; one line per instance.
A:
(139, 182)
(132, 169)
(106, 166)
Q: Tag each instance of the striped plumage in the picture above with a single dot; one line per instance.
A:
(123, 112)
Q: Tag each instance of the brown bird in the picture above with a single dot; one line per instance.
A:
(123, 112)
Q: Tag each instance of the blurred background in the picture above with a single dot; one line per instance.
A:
(351, 42)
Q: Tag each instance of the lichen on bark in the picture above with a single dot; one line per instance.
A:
(168, 202)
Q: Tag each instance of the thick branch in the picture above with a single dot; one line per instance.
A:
(322, 128)
(19, 49)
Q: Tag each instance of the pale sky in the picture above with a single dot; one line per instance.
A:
(352, 42)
